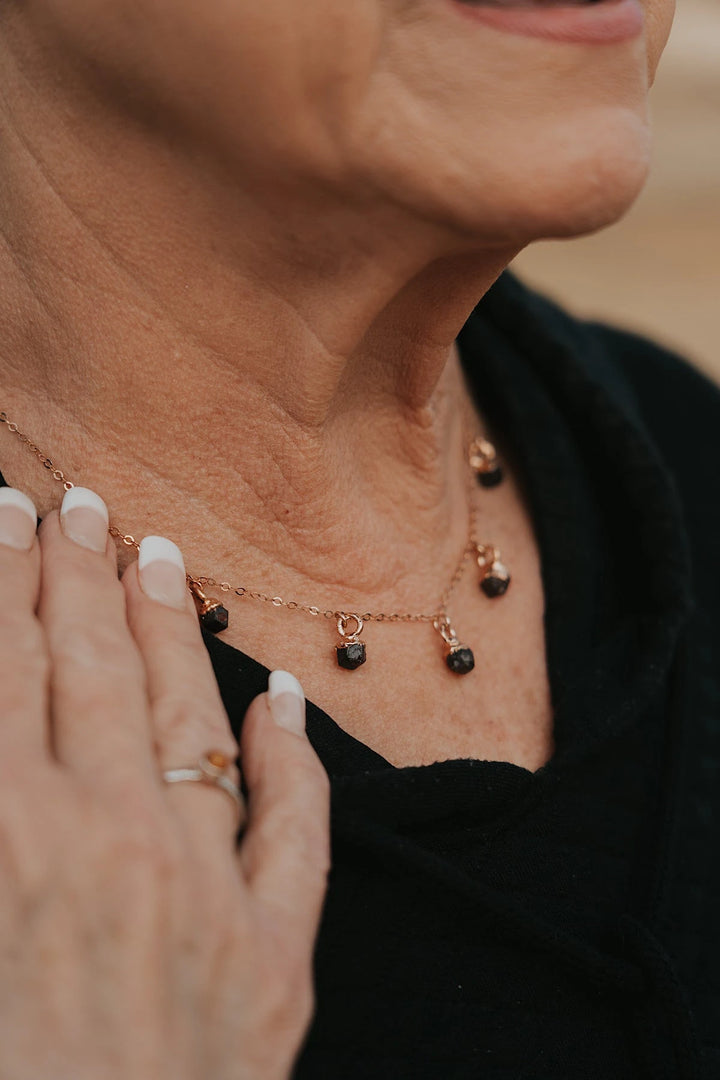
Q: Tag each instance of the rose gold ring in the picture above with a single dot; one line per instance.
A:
(212, 768)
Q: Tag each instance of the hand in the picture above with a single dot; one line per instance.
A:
(137, 941)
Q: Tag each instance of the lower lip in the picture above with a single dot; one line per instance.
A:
(604, 23)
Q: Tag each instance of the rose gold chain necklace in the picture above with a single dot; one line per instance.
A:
(351, 652)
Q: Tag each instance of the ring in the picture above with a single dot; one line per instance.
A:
(211, 768)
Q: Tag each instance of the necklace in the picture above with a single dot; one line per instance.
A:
(351, 651)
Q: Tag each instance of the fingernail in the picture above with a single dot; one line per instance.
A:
(287, 701)
(161, 569)
(84, 519)
(18, 519)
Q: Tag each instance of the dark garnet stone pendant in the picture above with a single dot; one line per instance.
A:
(460, 659)
(495, 583)
(214, 617)
(490, 478)
(352, 655)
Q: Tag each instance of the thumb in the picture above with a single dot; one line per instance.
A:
(285, 852)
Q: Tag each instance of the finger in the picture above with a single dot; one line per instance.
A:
(187, 714)
(23, 655)
(100, 722)
(285, 854)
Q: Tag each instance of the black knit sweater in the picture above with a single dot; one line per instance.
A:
(488, 923)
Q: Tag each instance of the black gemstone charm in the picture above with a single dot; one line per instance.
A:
(494, 575)
(491, 478)
(213, 615)
(350, 652)
(215, 618)
(460, 659)
(496, 581)
(483, 459)
(352, 655)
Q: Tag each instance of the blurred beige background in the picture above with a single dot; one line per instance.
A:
(658, 270)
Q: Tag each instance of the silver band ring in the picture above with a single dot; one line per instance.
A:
(211, 768)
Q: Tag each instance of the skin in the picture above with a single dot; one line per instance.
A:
(125, 906)
(237, 247)
(175, 185)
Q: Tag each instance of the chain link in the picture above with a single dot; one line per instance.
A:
(435, 617)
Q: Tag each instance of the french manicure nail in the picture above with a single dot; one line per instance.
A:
(18, 519)
(84, 519)
(161, 569)
(287, 701)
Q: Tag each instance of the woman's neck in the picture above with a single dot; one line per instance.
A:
(267, 376)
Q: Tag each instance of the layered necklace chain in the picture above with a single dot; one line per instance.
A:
(351, 650)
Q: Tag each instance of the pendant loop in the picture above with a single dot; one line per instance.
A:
(486, 555)
(444, 628)
(342, 624)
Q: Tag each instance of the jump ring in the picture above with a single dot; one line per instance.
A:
(342, 624)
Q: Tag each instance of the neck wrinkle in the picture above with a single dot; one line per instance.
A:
(287, 376)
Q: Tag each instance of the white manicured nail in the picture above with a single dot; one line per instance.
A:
(18, 519)
(84, 518)
(287, 701)
(161, 570)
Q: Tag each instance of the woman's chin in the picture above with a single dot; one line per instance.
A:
(591, 199)
(562, 188)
